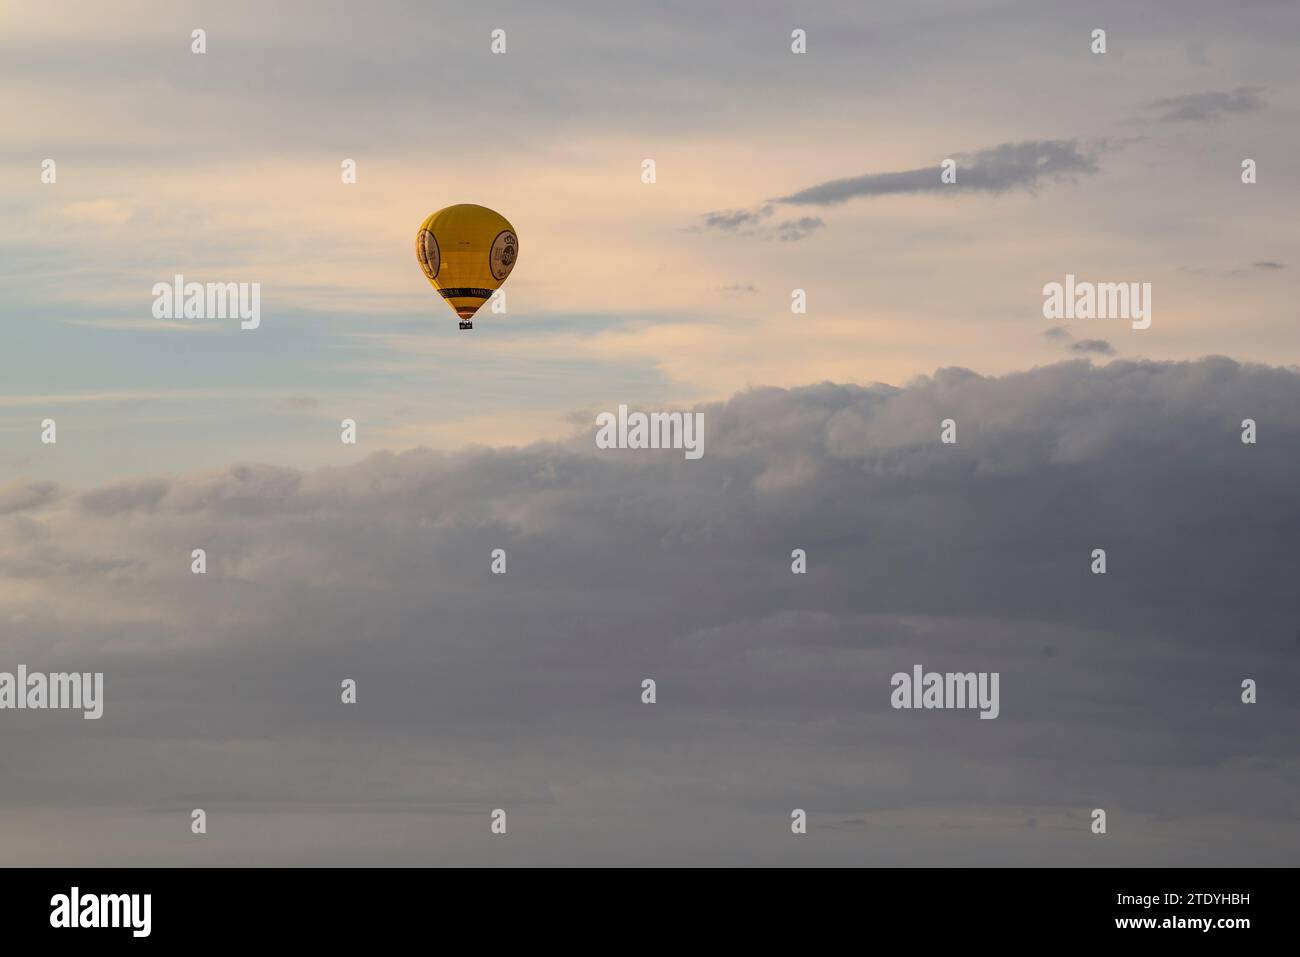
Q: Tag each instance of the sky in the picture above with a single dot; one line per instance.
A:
(774, 172)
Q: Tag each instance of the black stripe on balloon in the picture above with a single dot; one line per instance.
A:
(466, 293)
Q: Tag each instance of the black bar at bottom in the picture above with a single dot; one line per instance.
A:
(334, 906)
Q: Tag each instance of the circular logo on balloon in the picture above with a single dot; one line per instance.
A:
(505, 250)
(426, 249)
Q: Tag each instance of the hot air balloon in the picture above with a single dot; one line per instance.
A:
(466, 252)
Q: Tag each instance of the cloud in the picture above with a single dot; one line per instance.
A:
(1001, 168)
(795, 229)
(735, 220)
(753, 223)
(523, 690)
(23, 495)
(1093, 347)
(1210, 105)
(1057, 332)
(1009, 166)
(125, 496)
(1236, 272)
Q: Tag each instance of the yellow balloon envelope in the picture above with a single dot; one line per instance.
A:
(466, 252)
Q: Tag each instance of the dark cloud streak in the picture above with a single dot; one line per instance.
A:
(1093, 347)
(996, 170)
(1208, 106)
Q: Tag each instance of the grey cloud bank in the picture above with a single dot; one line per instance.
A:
(522, 690)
